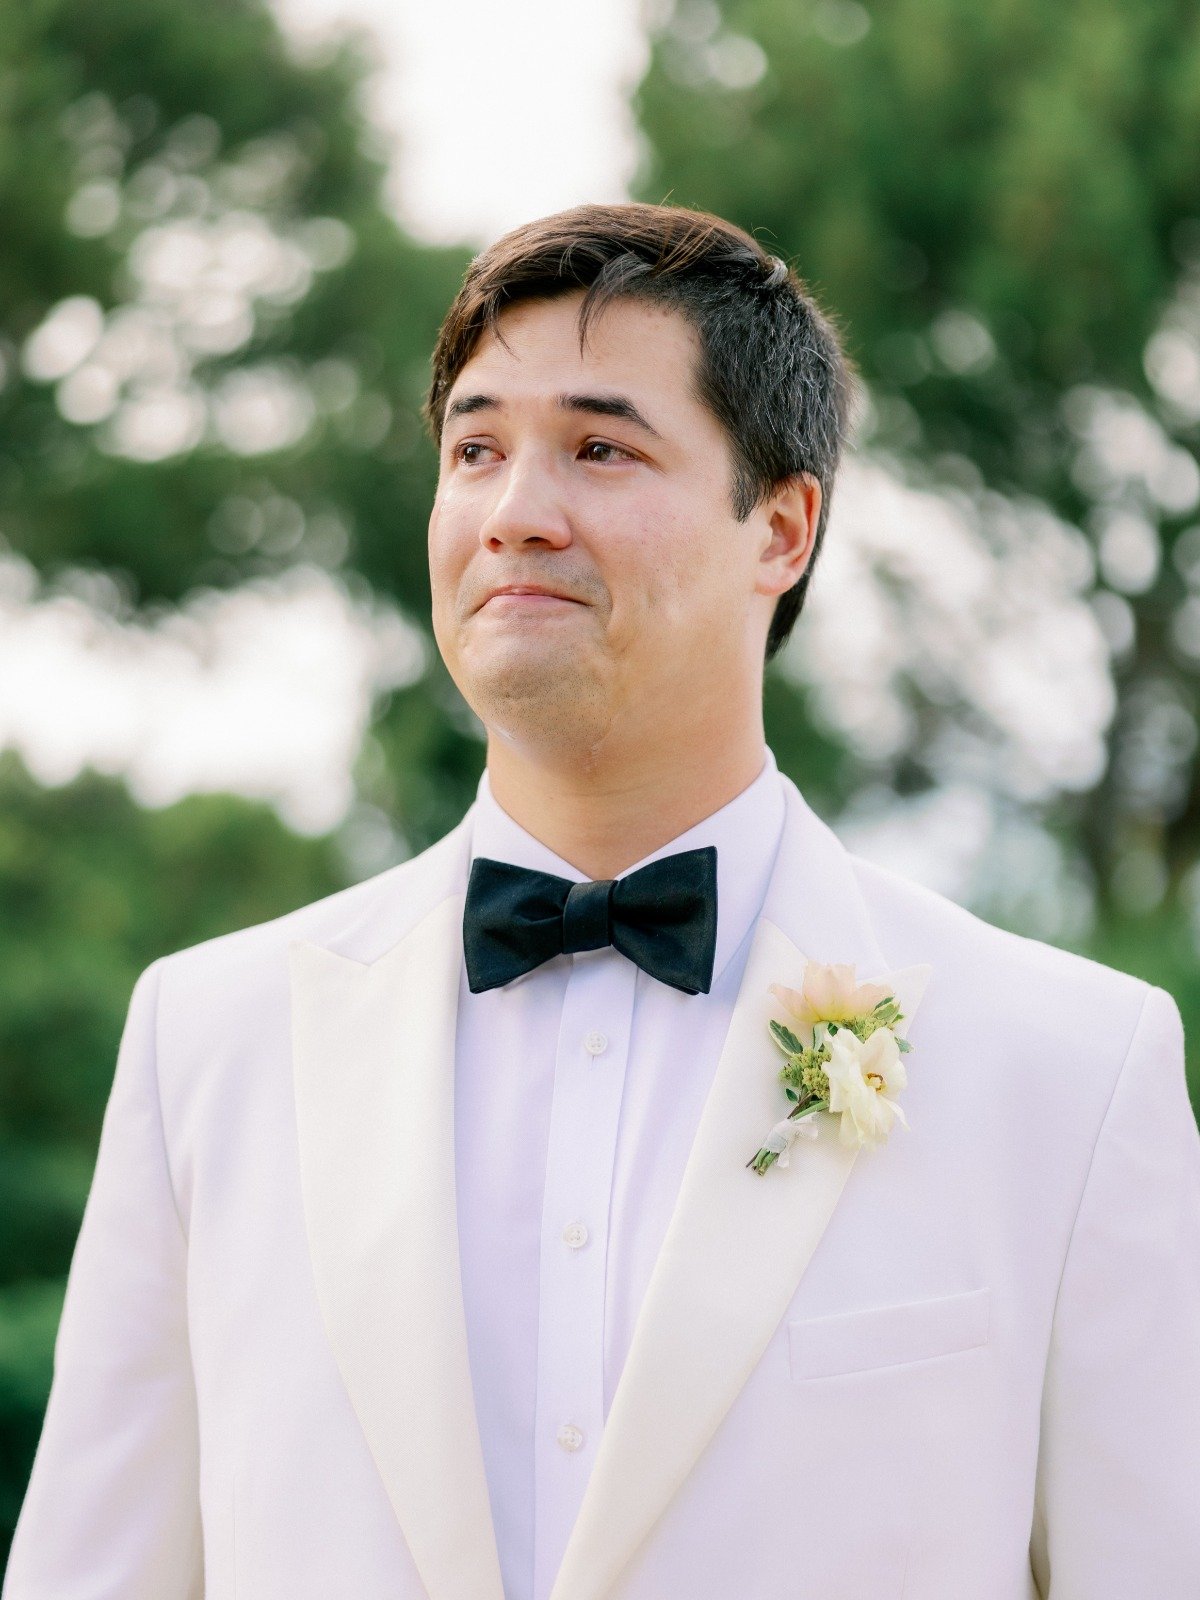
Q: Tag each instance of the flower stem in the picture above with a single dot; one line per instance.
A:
(763, 1159)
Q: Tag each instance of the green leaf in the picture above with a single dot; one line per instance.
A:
(787, 1039)
(791, 1094)
(902, 1044)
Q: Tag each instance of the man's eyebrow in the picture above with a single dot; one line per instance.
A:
(596, 405)
(608, 405)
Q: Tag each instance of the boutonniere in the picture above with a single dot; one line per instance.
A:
(845, 1059)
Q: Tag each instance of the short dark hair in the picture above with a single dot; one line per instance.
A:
(771, 367)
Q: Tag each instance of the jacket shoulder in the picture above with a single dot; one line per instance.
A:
(361, 921)
(1007, 979)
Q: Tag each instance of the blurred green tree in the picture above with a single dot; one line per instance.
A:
(214, 340)
(1001, 207)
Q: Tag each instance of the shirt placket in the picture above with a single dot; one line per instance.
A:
(589, 1078)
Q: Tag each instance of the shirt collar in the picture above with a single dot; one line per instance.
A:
(746, 832)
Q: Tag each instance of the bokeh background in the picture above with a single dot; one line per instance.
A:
(227, 235)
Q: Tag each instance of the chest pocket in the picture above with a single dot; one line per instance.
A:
(888, 1336)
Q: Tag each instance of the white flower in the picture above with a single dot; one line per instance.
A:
(862, 1074)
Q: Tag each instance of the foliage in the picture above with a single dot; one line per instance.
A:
(204, 206)
(1001, 207)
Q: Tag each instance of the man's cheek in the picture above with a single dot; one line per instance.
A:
(671, 584)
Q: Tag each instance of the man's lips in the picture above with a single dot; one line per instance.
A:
(522, 595)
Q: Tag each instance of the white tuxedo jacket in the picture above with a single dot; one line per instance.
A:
(964, 1365)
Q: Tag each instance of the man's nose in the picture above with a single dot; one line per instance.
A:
(529, 510)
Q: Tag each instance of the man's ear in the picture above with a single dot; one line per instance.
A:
(792, 514)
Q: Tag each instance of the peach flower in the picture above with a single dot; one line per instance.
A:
(830, 994)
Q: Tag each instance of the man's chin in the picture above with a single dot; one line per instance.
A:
(525, 658)
(532, 688)
(535, 682)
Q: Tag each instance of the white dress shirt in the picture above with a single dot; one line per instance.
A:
(578, 1091)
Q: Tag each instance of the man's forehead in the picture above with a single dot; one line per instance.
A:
(470, 401)
(631, 345)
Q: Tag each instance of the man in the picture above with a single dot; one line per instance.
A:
(428, 1253)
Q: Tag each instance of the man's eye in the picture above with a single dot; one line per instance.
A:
(600, 444)
(460, 451)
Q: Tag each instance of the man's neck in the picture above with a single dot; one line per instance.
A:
(602, 822)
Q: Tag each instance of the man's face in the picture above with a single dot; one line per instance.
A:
(601, 478)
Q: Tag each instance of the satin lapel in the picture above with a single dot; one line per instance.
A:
(373, 1052)
(738, 1242)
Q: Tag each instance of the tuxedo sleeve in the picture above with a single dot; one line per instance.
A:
(1118, 1478)
(112, 1507)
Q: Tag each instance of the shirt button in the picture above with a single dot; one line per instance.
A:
(569, 1437)
(575, 1234)
(595, 1043)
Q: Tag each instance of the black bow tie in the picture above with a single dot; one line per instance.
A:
(663, 917)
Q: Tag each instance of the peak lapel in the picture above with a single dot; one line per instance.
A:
(738, 1242)
(373, 1053)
